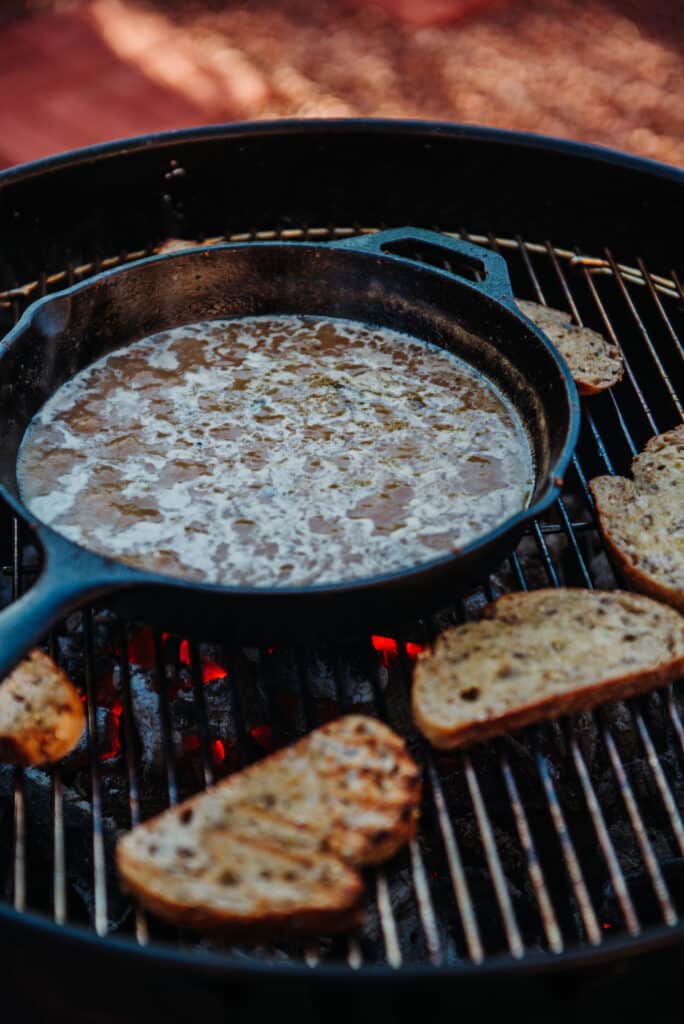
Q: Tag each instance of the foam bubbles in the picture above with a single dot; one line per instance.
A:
(274, 451)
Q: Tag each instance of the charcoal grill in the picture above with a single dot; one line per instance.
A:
(560, 847)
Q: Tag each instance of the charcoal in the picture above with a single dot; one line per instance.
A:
(585, 732)
(220, 699)
(356, 666)
(279, 673)
(641, 889)
(145, 709)
(107, 725)
(622, 726)
(319, 673)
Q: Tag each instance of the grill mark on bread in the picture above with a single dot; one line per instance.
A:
(282, 816)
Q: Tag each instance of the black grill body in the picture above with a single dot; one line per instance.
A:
(560, 849)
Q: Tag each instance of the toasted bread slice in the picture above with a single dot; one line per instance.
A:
(540, 654)
(594, 363)
(274, 848)
(41, 714)
(642, 520)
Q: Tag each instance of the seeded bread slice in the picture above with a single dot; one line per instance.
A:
(541, 654)
(642, 520)
(274, 849)
(594, 363)
(41, 714)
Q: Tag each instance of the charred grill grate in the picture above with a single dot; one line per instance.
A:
(567, 836)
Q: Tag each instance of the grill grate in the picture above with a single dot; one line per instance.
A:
(564, 837)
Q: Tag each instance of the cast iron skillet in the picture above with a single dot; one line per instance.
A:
(383, 279)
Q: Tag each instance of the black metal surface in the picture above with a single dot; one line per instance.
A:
(555, 849)
(373, 279)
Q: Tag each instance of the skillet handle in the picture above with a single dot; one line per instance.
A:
(479, 267)
(57, 592)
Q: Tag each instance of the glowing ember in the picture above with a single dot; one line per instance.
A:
(190, 744)
(263, 737)
(385, 645)
(116, 712)
(141, 649)
(210, 669)
(388, 647)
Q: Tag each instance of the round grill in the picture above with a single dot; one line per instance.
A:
(561, 844)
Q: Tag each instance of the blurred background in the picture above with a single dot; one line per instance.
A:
(76, 72)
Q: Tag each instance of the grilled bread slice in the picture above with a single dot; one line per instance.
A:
(594, 363)
(41, 714)
(274, 848)
(642, 520)
(540, 654)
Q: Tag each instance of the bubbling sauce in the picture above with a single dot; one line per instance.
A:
(275, 451)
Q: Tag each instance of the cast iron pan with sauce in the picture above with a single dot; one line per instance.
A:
(393, 279)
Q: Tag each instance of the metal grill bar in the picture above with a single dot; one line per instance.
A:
(426, 910)
(162, 681)
(660, 889)
(569, 855)
(679, 348)
(548, 916)
(425, 907)
(19, 860)
(628, 368)
(645, 335)
(461, 889)
(99, 866)
(569, 298)
(387, 921)
(513, 936)
(19, 812)
(675, 717)
(141, 929)
(661, 781)
(534, 279)
(607, 849)
(59, 904)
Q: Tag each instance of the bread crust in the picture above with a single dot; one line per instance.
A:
(345, 796)
(41, 713)
(595, 363)
(625, 684)
(344, 912)
(654, 495)
(629, 685)
(629, 572)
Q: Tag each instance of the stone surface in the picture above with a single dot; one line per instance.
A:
(605, 71)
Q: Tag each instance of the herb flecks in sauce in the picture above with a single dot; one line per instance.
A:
(275, 451)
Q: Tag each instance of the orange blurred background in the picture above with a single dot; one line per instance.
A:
(75, 72)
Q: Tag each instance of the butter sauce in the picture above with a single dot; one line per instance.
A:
(276, 451)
